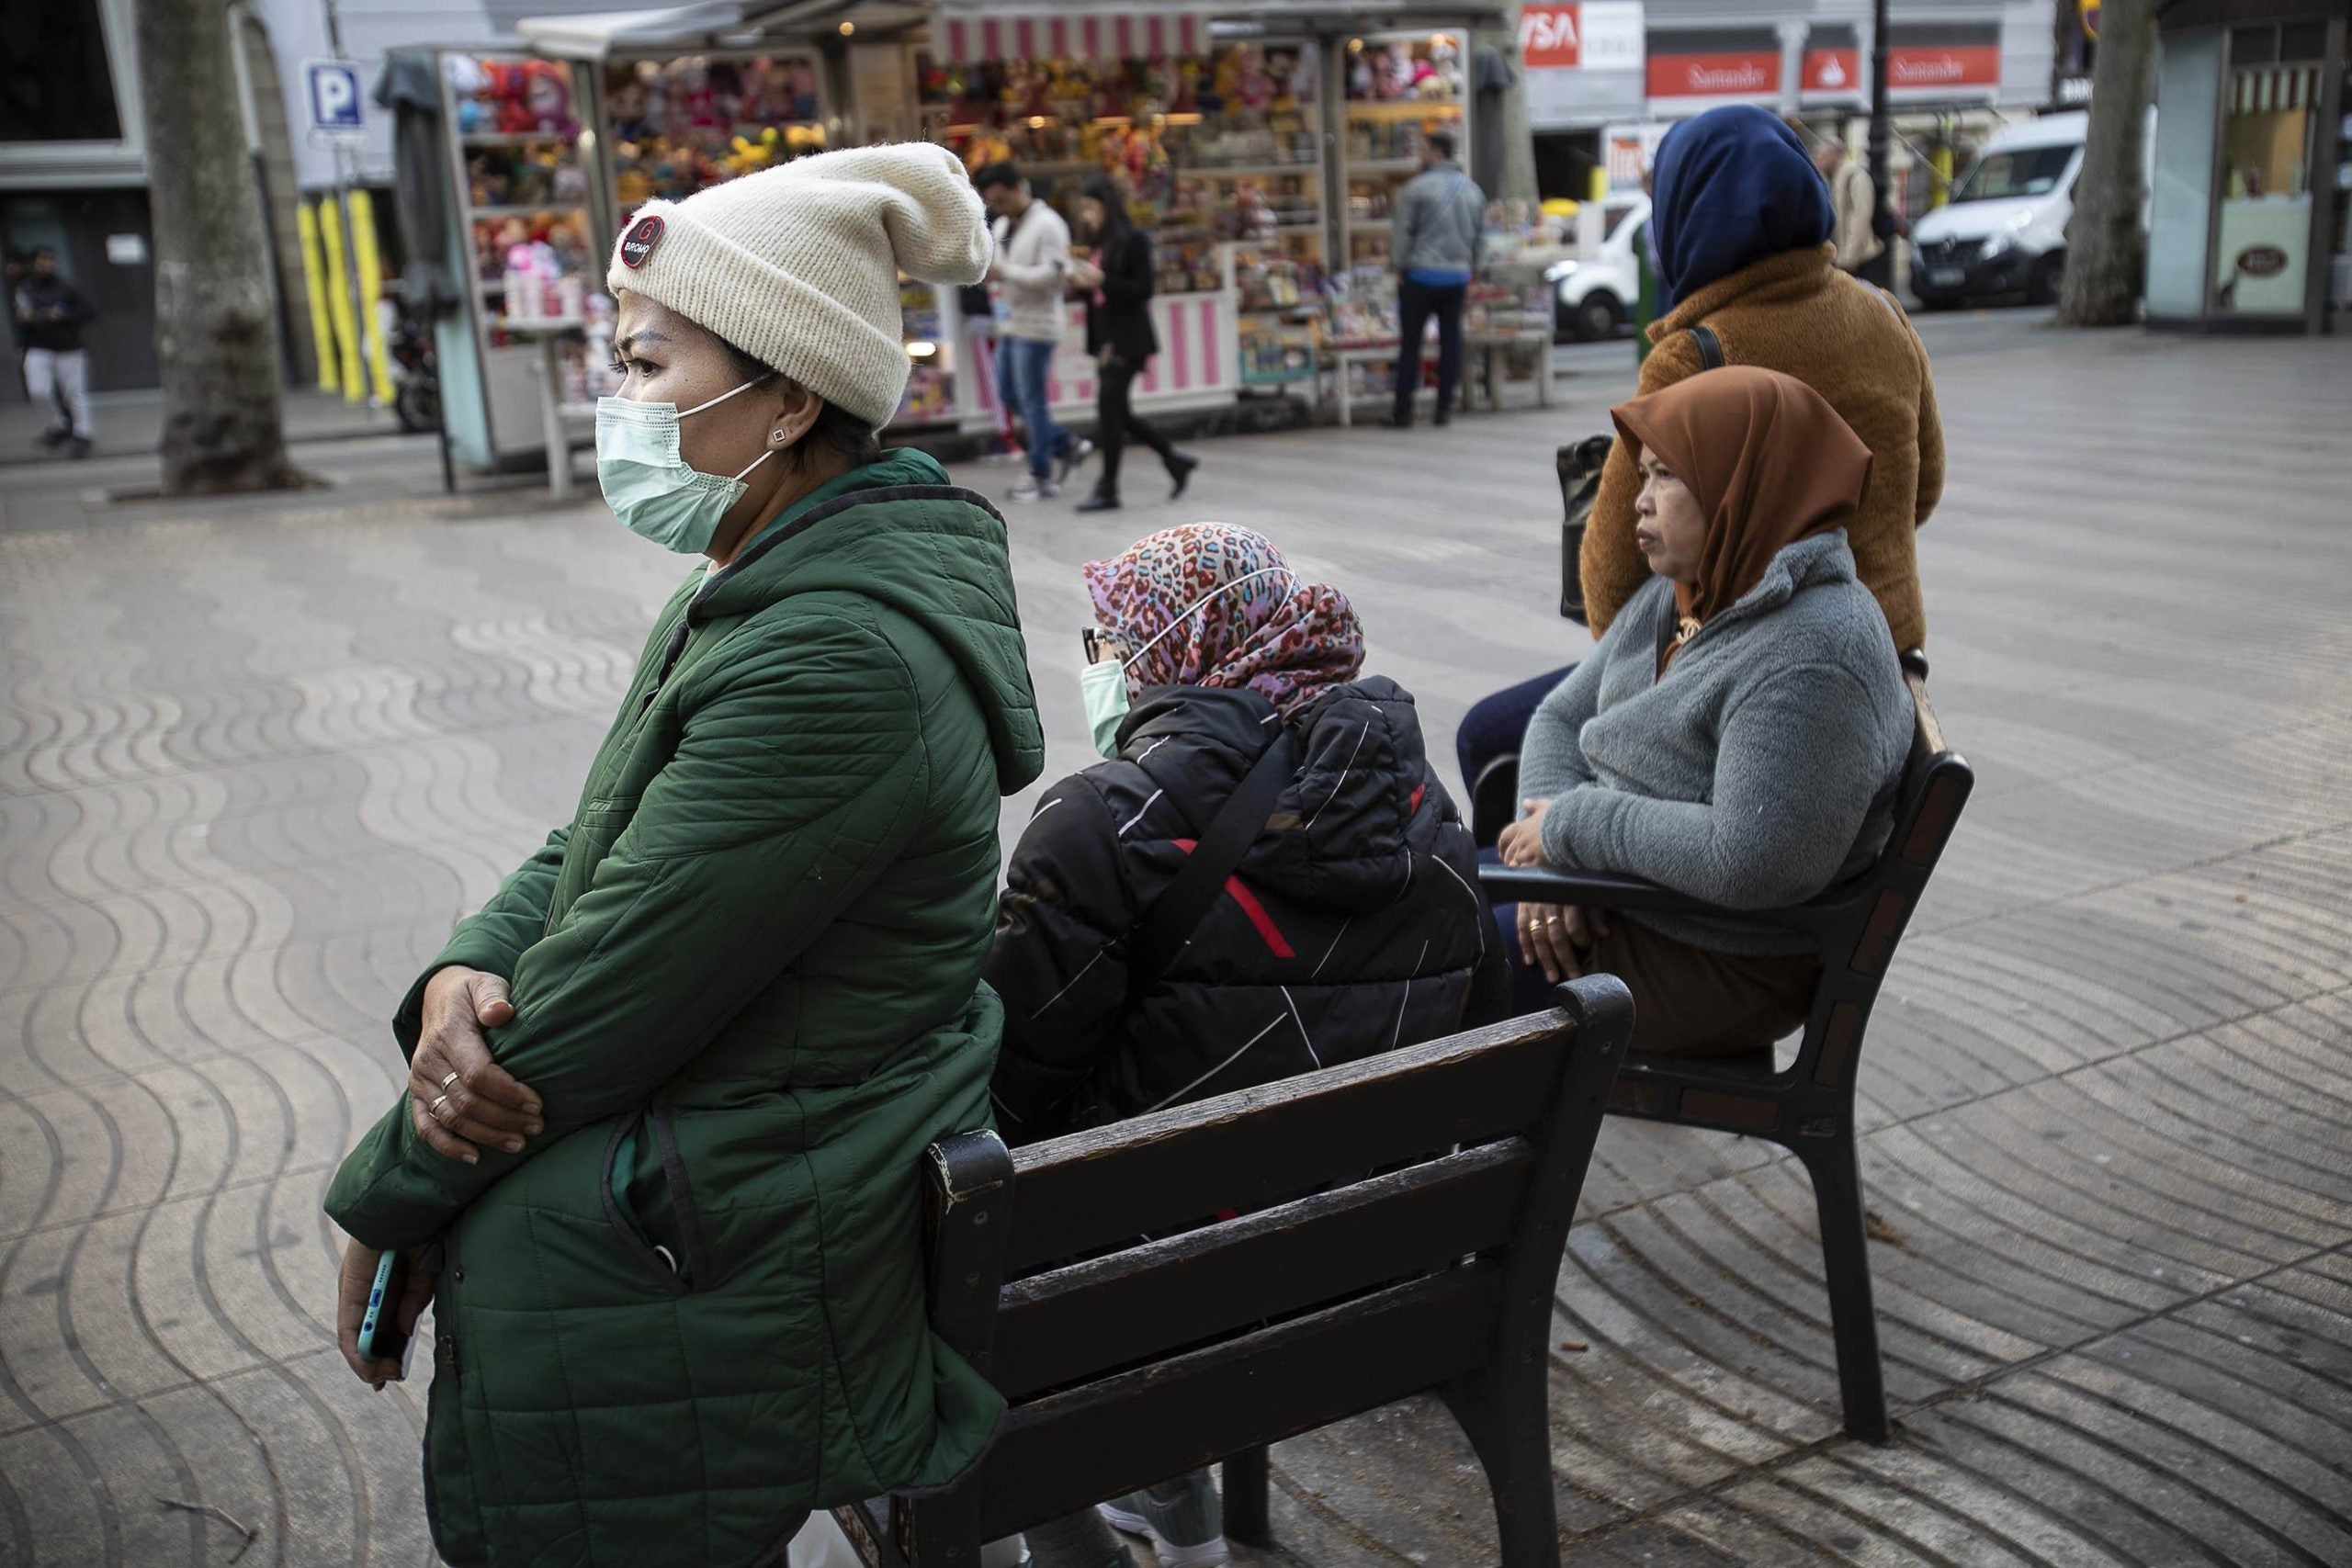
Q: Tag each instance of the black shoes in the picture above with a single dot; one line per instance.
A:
(78, 447)
(1394, 422)
(1097, 501)
(1444, 416)
(1181, 468)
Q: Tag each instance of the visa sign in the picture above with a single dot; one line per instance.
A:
(1581, 34)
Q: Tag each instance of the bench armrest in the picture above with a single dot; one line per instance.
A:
(1591, 889)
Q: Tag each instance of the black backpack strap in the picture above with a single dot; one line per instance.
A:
(1178, 913)
(1710, 347)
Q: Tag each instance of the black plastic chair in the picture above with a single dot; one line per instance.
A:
(1809, 1107)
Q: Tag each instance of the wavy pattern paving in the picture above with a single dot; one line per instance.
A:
(255, 757)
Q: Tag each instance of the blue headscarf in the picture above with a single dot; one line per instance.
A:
(1730, 188)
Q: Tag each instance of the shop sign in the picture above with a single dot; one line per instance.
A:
(1730, 63)
(1585, 35)
(1123, 33)
(1957, 57)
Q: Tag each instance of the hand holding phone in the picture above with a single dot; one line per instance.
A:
(381, 1296)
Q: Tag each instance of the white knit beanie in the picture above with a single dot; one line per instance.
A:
(798, 266)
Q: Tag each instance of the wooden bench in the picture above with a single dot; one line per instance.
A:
(1396, 1227)
(1807, 1107)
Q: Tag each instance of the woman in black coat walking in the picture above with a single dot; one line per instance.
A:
(1120, 337)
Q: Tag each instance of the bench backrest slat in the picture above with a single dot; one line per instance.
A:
(1107, 1313)
(1267, 1144)
(1065, 1453)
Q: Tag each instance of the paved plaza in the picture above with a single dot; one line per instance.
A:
(256, 755)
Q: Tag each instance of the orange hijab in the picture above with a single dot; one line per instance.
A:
(1770, 462)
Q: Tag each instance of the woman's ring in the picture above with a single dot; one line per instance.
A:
(450, 1079)
(434, 1110)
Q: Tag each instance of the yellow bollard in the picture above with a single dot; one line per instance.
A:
(306, 220)
(354, 390)
(370, 263)
(1939, 187)
(1600, 183)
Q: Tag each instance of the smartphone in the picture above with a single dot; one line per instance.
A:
(381, 1339)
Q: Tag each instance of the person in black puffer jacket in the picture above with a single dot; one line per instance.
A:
(1353, 925)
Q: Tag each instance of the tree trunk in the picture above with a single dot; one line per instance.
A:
(2107, 250)
(215, 335)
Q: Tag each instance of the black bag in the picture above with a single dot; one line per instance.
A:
(1581, 463)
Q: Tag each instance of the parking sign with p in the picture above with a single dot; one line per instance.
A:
(335, 97)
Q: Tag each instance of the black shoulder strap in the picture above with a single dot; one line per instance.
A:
(1710, 347)
(1178, 913)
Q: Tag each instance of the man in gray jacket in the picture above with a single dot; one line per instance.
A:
(1031, 266)
(1441, 214)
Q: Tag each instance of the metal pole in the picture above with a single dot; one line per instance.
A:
(1880, 128)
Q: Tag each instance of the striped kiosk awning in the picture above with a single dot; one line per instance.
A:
(2272, 88)
(1120, 33)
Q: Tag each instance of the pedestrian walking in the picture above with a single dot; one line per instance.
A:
(50, 314)
(1032, 268)
(1737, 736)
(1119, 335)
(1741, 224)
(1853, 206)
(655, 1167)
(1433, 245)
(1326, 913)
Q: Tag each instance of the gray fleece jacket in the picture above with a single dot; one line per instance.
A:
(1760, 771)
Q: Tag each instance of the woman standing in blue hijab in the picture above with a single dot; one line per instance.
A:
(1740, 219)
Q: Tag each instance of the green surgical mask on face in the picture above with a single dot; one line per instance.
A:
(647, 483)
(1103, 687)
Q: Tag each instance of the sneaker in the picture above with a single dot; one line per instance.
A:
(1074, 457)
(79, 446)
(1181, 468)
(52, 439)
(1031, 490)
(1097, 501)
(1182, 1518)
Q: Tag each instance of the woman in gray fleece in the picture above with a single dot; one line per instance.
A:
(1740, 732)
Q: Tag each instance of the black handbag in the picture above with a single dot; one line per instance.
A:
(1581, 463)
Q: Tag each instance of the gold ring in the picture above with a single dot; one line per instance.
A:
(1552, 921)
(450, 1079)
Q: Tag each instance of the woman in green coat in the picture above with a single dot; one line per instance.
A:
(656, 1165)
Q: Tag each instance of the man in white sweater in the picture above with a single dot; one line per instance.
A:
(1032, 265)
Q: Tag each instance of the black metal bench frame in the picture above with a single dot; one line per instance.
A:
(1326, 1292)
(1807, 1107)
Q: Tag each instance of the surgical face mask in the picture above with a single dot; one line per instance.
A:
(1103, 685)
(1104, 688)
(649, 487)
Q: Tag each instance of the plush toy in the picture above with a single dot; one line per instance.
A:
(1226, 84)
(1446, 68)
(625, 106)
(548, 95)
(630, 185)
(800, 87)
(1399, 70)
(1256, 88)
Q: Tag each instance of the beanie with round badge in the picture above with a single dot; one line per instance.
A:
(798, 266)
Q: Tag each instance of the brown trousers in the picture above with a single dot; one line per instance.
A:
(1689, 1001)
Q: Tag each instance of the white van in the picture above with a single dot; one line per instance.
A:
(1594, 297)
(2005, 228)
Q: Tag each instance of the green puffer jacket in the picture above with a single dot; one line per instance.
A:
(746, 982)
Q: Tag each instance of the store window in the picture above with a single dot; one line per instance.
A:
(2262, 255)
(55, 85)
